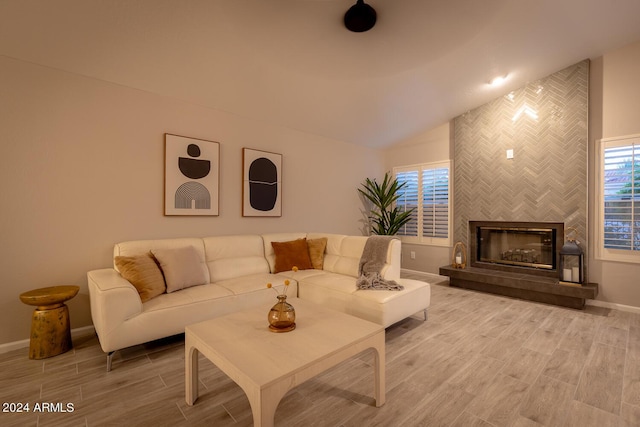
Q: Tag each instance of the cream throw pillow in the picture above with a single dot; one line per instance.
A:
(143, 273)
(316, 252)
(182, 267)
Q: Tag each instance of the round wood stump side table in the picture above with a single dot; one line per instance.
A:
(50, 327)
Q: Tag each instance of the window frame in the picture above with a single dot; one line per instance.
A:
(421, 239)
(601, 252)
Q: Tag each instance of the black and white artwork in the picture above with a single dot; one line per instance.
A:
(262, 183)
(192, 174)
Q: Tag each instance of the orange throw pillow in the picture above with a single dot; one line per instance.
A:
(294, 253)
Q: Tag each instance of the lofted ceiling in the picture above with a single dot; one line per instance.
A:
(292, 63)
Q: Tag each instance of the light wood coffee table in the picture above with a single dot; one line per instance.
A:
(266, 364)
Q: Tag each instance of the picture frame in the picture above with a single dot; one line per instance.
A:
(261, 183)
(192, 176)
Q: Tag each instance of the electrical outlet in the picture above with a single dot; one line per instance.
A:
(413, 255)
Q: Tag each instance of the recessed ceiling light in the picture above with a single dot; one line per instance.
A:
(497, 81)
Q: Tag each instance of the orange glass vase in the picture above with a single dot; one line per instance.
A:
(282, 316)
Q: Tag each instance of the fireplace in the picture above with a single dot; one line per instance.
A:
(518, 259)
(519, 247)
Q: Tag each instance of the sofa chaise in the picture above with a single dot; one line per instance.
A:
(213, 276)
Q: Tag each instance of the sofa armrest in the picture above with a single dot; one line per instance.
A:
(113, 301)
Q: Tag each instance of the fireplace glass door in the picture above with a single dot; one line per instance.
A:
(523, 247)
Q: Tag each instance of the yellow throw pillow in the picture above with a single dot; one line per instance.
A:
(143, 273)
(294, 253)
(316, 251)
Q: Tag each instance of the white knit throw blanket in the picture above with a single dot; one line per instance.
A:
(372, 260)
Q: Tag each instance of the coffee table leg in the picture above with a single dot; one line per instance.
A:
(265, 402)
(261, 416)
(191, 374)
(379, 367)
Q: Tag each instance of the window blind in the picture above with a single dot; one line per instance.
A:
(426, 188)
(621, 196)
(409, 196)
(435, 202)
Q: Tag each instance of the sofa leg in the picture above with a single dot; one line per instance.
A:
(426, 316)
(109, 359)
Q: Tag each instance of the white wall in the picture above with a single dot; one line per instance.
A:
(615, 111)
(82, 166)
(433, 145)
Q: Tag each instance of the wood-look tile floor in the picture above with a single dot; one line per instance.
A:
(480, 360)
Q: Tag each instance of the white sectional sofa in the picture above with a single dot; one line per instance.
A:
(235, 271)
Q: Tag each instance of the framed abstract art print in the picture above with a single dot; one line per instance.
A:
(261, 183)
(192, 176)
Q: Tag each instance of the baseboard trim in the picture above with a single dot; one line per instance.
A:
(421, 273)
(16, 345)
(613, 305)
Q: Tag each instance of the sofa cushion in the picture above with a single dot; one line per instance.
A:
(387, 307)
(234, 255)
(316, 251)
(343, 254)
(187, 297)
(143, 273)
(182, 267)
(379, 306)
(294, 253)
(301, 274)
(336, 281)
(258, 283)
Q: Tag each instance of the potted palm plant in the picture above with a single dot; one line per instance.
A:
(385, 217)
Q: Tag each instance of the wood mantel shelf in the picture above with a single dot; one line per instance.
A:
(525, 286)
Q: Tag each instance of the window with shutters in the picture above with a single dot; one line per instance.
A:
(618, 199)
(426, 189)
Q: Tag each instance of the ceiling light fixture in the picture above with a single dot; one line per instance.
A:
(497, 81)
(360, 17)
